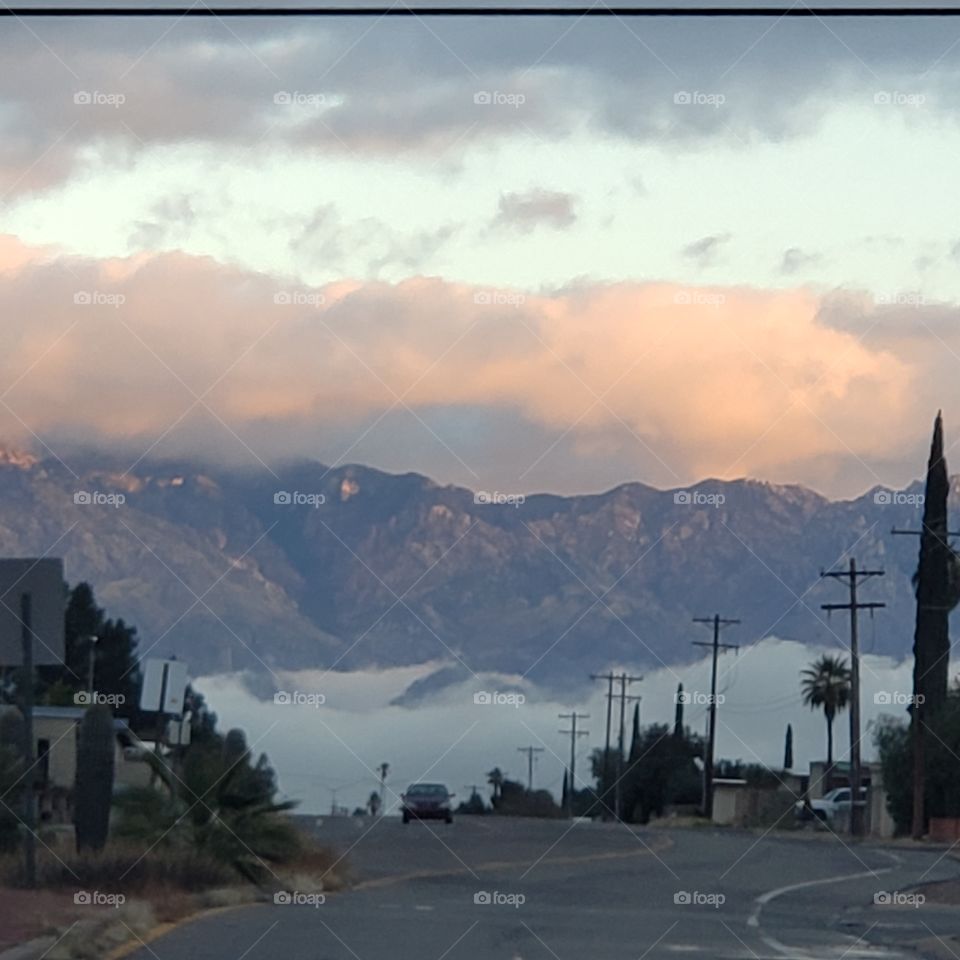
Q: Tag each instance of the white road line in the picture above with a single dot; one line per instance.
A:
(796, 953)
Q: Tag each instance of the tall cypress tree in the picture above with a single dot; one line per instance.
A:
(635, 738)
(788, 748)
(931, 646)
(935, 599)
(678, 713)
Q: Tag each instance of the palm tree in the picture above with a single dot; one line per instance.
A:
(495, 779)
(826, 685)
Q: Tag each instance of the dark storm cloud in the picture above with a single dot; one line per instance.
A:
(524, 211)
(352, 85)
(704, 251)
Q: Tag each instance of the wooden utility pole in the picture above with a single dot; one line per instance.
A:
(853, 576)
(573, 733)
(604, 806)
(618, 786)
(718, 623)
(530, 751)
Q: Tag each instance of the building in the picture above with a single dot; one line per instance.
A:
(56, 732)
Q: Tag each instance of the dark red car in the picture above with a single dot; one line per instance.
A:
(427, 801)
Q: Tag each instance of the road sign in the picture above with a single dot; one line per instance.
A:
(42, 579)
(164, 686)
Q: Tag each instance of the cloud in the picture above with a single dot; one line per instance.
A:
(344, 87)
(794, 260)
(217, 361)
(537, 207)
(704, 251)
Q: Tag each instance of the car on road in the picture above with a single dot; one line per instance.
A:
(828, 807)
(427, 801)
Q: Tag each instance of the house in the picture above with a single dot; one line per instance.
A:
(56, 732)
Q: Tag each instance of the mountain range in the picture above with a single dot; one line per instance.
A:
(307, 566)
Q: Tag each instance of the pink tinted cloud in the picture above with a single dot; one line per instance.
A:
(720, 381)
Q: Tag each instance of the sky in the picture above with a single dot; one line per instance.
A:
(513, 255)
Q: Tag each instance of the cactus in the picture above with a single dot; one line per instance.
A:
(93, 790)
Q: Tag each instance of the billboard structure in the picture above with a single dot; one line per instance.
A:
(40, 579)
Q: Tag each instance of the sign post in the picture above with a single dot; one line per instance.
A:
(32, 615)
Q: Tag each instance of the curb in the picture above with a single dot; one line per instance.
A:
(29, 949)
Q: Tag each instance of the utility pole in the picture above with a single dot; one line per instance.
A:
(718, 624)
(91, 665)
(853, 576)
(530, 751)
(383, 768)
(573, 733)
(617, 791)
(604, 806)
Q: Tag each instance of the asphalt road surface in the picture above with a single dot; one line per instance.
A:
(487, 888)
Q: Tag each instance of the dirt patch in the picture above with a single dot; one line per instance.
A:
(27, 914)
(946, 892)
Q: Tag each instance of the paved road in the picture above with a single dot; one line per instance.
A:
(485, 888)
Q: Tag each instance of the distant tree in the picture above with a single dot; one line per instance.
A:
(788, 748)
(495, 779)
(825, 685)
(678, 713)
(892, 740)
(115, 667)
(661, 772)
(635, 737)
(474, 805)
(517, 801)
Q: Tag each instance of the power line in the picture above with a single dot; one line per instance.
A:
(718, 624)
(573, 733)
(853, 576)
(530, 751)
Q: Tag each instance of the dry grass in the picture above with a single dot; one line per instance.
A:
(122, 868)
(325, 867)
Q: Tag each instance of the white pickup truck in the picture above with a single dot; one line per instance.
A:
(829, 806)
